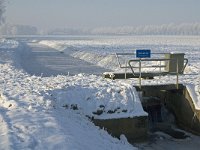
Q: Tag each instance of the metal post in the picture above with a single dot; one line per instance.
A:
(140, 82)
(160, 70)
(125, 69)
(177, 74)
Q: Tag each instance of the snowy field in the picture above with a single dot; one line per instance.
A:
(49, 112)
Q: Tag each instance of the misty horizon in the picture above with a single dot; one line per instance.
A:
(113, 17)
(165, 29)
(50, 14)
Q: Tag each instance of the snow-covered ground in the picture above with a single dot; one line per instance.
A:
(50, 112)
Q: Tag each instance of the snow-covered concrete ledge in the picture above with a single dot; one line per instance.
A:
(194, 92)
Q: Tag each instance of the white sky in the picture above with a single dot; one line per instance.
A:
(101, 13)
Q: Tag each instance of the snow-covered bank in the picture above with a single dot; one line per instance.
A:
(102, 60)
(34, 116)
(125, 41)
(7, 44)
(32, 121)
(90, 93)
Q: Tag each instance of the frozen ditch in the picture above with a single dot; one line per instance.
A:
(45, 61)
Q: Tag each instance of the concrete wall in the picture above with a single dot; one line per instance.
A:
(186, 114)
(179, 102)
(135, 129)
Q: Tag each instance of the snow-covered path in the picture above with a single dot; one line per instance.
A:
(40, 60)
(40, 129)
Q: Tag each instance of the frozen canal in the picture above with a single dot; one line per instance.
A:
(42, 60)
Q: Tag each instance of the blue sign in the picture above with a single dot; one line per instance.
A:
(143, 53)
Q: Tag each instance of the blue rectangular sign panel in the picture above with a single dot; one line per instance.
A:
(143, 53)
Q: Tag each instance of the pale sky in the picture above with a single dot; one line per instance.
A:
(48, 14)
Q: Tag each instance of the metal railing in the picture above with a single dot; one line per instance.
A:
(129, 54)
(161, 61)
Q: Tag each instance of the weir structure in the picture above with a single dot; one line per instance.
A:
(168, 105)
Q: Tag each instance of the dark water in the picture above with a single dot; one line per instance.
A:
(162, 120)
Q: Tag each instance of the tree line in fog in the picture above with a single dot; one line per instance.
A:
(166, 29)
(18, 30)
(2, 10)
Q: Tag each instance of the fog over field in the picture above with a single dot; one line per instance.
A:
(165, 29)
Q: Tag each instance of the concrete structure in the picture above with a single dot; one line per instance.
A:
(135, 129)
(179, 102)
(171, 66)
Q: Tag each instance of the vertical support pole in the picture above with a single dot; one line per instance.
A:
(177, 74)
(125, 70)
(160, 70)
(140, 82)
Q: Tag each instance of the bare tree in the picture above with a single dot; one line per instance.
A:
(2, 10)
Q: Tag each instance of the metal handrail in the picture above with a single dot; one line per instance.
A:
(151, 60)
(155, 66)
(129, 54)
(135, 53)
(152, 66)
